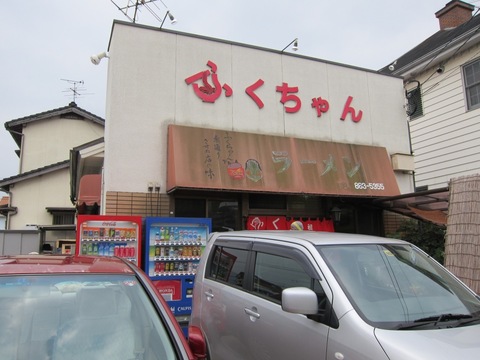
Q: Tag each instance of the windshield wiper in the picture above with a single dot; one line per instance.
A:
(434, 320)
(468, 321)
(443, 317)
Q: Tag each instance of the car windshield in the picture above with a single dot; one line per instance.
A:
(394, 286)
(80, 317)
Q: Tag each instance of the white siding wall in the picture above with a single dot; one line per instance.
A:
(446, 140)
(146, 91)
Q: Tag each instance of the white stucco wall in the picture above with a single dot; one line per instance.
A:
(31, 197)
(49, 141)
(146, 91)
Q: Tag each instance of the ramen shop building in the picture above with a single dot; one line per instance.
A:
(250, 137)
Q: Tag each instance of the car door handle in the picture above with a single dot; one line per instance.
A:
(209, 295)
(252, 313)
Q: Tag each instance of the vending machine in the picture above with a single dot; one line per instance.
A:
(173, 247)
(110, 236)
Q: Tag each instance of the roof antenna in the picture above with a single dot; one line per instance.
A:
(75, 89)
(137, 5)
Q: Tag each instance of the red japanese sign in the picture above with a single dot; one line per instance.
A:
(283, 223)
(210, 89)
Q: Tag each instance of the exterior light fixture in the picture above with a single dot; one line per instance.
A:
(336, 214)
(392, 66)
(170, 16)
(294, 47)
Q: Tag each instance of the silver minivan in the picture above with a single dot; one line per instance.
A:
(313, 295)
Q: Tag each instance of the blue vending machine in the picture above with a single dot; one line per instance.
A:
(173, 247)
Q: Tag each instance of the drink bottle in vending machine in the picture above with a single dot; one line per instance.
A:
(172, 250)
(104, 235)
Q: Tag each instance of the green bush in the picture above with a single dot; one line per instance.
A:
(427, 236)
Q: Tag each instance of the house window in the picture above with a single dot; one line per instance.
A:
(472, 84)
(414, 103)
(62, 216)
(63, 219)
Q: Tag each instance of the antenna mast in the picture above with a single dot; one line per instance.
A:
(74, 88)
(137, 5)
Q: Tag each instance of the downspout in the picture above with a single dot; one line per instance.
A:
(10, 196)
(21, 148)
(409, 129)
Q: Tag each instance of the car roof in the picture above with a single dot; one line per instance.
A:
(61, 264)
(313, 237)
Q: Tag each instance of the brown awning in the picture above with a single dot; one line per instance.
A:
(228, 160)
(429, 205)
(89, 191)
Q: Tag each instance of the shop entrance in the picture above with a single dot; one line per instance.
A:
(225, 212)
(230, 211)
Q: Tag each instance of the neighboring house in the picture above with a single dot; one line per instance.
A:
(40, 195)
(442, 87)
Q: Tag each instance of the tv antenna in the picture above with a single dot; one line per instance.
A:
(75, 88)
(136, 5)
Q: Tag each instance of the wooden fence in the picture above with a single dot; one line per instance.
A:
(462, 246)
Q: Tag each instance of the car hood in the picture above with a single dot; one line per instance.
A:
(437, 344)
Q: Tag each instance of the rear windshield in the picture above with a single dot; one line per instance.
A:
(393, 285)
(80, 317)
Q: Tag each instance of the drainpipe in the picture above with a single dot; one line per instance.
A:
(21, 149)
(10, 196)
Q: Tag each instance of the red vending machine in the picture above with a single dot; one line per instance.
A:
(110, 236)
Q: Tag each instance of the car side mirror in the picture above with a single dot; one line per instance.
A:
(197, 343)
(299, 300)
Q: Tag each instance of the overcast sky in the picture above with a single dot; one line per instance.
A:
(45, 41)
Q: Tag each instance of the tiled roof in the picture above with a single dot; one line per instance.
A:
(4, 201)
(433, 46)
(70, 111)
(7, 182)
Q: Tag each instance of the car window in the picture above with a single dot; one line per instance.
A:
(80, 317)
(274, 273)
(228, 265)
(390, 285)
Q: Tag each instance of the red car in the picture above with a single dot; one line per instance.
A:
(86, 307)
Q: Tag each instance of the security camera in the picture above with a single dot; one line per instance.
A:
(95, 59)
(440, 69)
